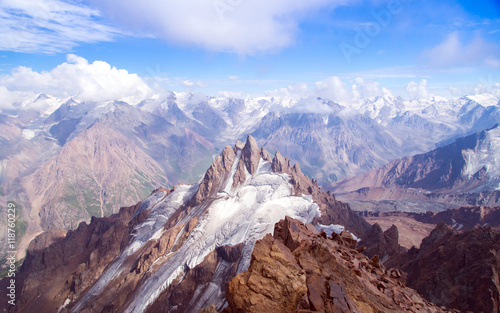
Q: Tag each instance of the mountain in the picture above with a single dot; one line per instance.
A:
(467, 170)
(456, 269)
(301, 270)
(413, 227)
(329, 146)
(254, 234)
(84, 159)
(190, 237)
(179, 134)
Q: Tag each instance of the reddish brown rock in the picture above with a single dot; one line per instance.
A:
(299, 270)
(45, 239)
(273, 283)
(384, 244)
(71, 264)
(456, 269)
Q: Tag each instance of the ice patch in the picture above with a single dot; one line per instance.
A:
(230, 180)
(329, 229)
(150, 229)
(28, 134)
(485, 155)
(62, 307)
(335, 228)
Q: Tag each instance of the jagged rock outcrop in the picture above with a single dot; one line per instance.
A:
(45, 239)
(69, 265)
(300, 270)
(463, 218)
(244, 158)
(385, 244)
(273, 283)
(456, 269)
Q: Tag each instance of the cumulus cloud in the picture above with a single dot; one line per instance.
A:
(243, 27)
(367, 89)
(97, 81)
(49, 26)
(453, 51)
(333, 88)
(495, 90)
(456, 92)
(418, 90)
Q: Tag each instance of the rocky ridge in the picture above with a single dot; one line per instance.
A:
(301, 270)
(456, 269)
(463, 218)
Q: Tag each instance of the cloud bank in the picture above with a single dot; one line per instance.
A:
(418, 90)
(333, 88)
(241, 26)
(77, 78)
(454, 52)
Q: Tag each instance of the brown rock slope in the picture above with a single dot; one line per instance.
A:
(301, 270)
(70, 264)
(456, 269)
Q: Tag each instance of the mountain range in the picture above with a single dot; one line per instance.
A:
(65, 160)
(465, 172)
(254, 234)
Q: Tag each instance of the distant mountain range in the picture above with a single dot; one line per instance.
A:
(465, 172)
(64, 160)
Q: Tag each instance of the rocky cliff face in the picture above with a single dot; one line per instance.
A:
(463, 218)
(384, 244)
(456, 269)
(301, 270)
(188, 238)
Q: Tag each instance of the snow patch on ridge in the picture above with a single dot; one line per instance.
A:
(28, 134)
(486, 155)
(335, 228)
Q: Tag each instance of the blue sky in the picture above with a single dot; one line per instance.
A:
(256, 47)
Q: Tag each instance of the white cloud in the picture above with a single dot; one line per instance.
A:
(333, 88)
(233, 77)
(243, 27)
(495, 90)
(188, 83)
(456, 92)
(233, 94)
(368, 89)
(418, 90)
(77, 78)
(49, 26)
(453, 52)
